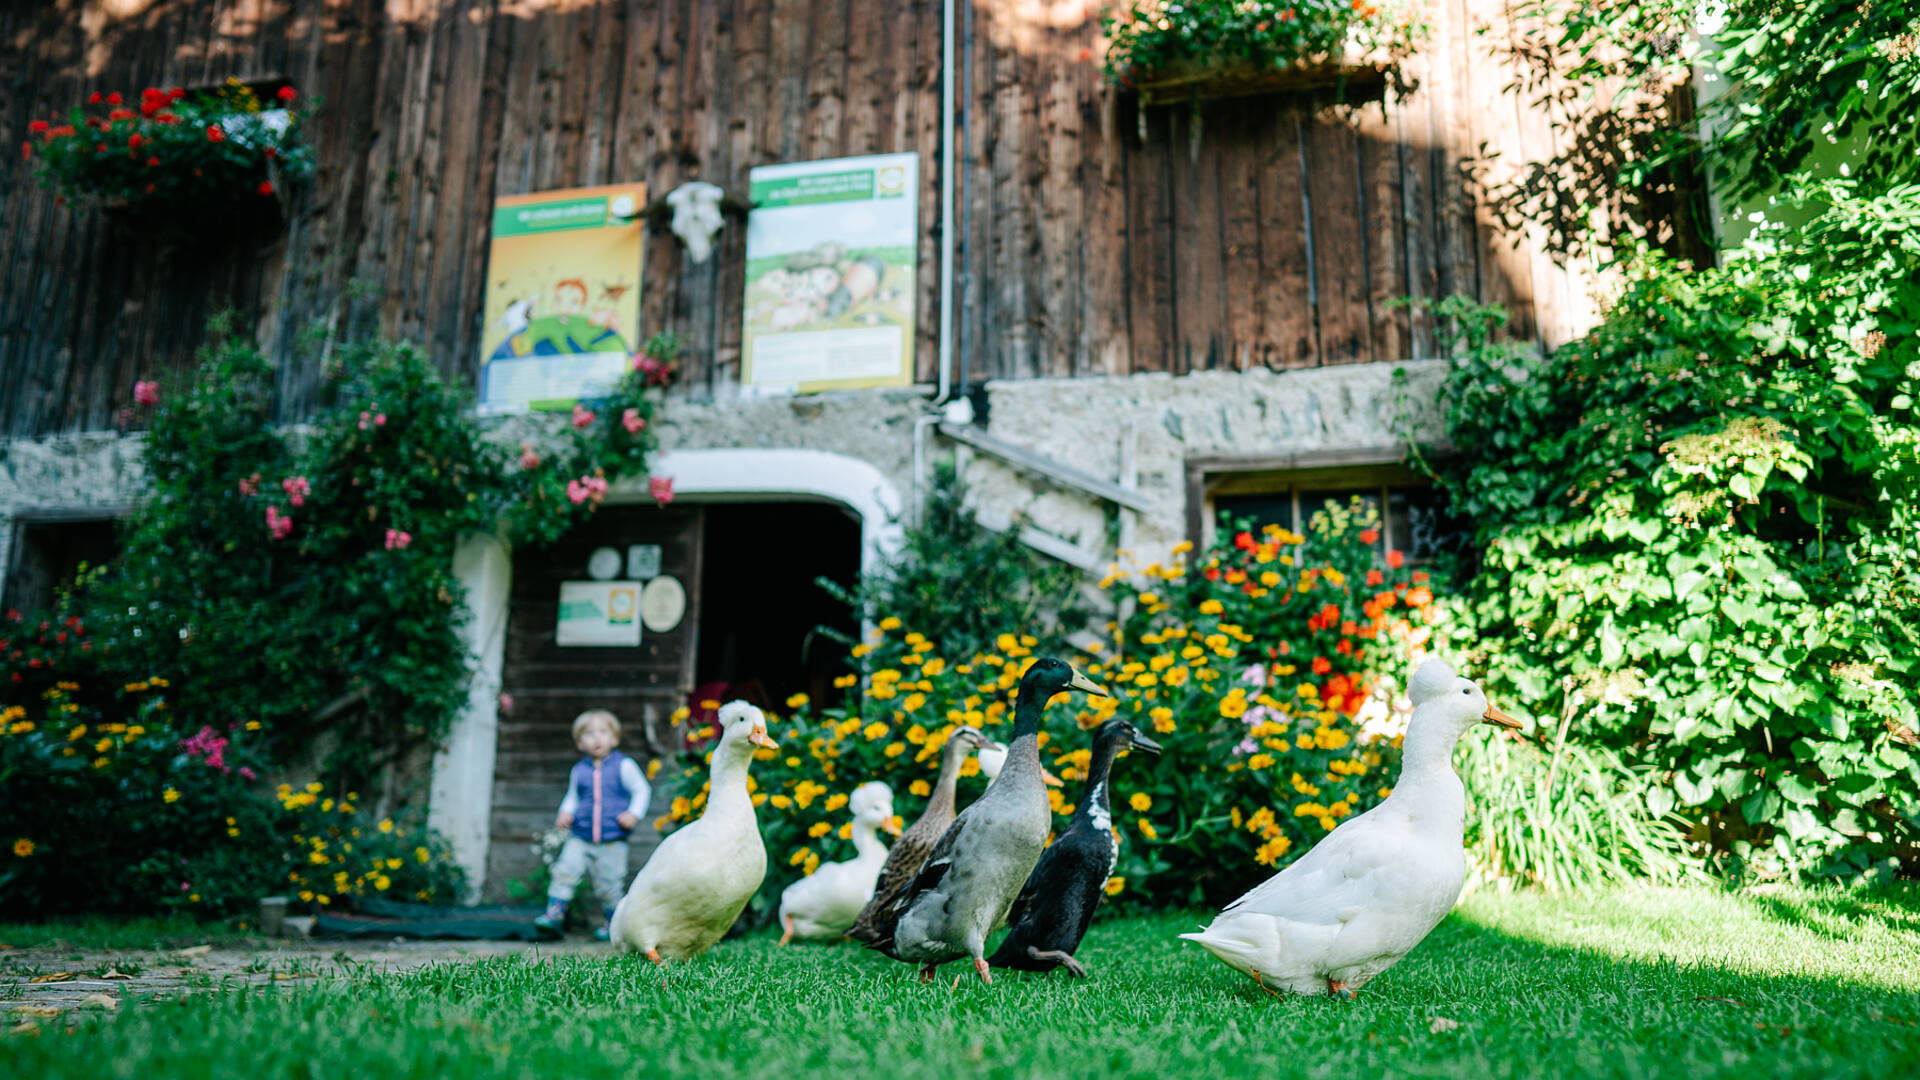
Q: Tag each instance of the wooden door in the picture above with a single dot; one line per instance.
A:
(551, 684)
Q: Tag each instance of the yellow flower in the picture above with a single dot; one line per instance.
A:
(1114, 885)
(317, 858)
(1146, 829)
(100, 763)
(1259, 761)
(861, 650)
(383, 883)
(819, 829)
(680, 807)
(170, 795)
(1233, 706)
(813, 863)
(1175, 677)
(253, 725)
(1162, 719)
(420, 855)
(386, 825)
(890, 623)
(874, 730)
(1211, 607)
(78, 731)
(781, 802)
(797, 701)
(1183, 547)
(393, 864)
(933, 667)
(799, 856)
(846, 831)
(307, 895)
(920, 788)
(1141, 801)
(1270, 579)
(22, 847)
(835, 802)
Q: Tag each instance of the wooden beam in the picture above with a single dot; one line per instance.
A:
(1046, 543)
(1020, 457)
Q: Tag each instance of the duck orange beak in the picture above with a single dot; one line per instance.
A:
(1049, 779)
(759, 737)
(1495, 716)
(892, 825)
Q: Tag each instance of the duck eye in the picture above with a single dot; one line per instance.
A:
(1469, 693)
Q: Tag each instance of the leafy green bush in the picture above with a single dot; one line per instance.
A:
(963, 584)
(1147, 37)
(340, 853)
(1716, 490)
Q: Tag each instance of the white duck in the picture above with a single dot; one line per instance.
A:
(825, 904)
(1377, 885)
(702, 875)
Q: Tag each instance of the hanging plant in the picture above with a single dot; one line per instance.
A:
(177, 152)
(1199, 49)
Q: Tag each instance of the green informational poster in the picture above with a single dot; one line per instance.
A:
(563, 296)
(832, 266)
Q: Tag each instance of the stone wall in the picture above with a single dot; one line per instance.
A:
(1078, 422)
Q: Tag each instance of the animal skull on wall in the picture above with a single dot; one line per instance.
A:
(696, 216)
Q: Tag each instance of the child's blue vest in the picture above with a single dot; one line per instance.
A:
(595, 819)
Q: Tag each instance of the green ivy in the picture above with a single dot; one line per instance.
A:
(1715, 490)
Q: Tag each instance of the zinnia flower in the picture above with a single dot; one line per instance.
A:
(22, 847)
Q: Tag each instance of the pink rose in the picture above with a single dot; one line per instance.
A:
(297, 489)
(246, 772)
(582, 416)
(146, 392)
(251, 485)
(380, 420)
(661, 488)
(529, 459)
(506, 702)
(278, 524)
(398, 540)
(633, 421)
(585, 488)
(365, 419)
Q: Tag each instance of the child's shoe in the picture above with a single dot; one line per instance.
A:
(554, 918)
(605, 930)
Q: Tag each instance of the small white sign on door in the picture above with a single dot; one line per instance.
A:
(598, 613)
(643, 561)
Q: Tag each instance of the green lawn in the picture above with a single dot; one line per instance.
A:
(1656, 983)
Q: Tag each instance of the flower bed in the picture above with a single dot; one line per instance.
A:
(177, 154)
(1257, 667)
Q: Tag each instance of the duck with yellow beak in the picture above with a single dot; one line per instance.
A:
(1376, 886)
(962, 893)
(702, 875)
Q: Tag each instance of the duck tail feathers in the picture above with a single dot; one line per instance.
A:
(1231, 942)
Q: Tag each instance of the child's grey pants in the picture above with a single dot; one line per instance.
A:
(606, 863)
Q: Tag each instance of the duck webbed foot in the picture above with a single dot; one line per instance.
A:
(1078, 969)
(926, 974)
(788, 935)
(980, 965)
(654, 955)
(1263, 985)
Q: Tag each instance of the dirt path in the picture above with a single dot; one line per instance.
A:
(45, 982)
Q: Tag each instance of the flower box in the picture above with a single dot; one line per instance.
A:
(178, 161)
(1354, 80)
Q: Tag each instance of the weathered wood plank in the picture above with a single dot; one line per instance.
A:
(1339, 265)
(1289, 334)
(1384, 251)
(1152, 313)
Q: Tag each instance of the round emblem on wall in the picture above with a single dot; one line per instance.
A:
(603, 564)
(663, 603)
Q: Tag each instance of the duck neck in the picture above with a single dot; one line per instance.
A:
(949, 779)
(1023, 752)
(727, 779)
(865, 842)
(1426, 771)
(1094, 801)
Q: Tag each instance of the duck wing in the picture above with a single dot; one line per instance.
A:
(929, 876)
(1333, 881)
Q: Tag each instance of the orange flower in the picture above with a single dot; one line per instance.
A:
(1420, 597)
(1394, 559)
(1368, 536)
(1321, 665)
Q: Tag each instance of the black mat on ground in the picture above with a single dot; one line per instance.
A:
(390, 919)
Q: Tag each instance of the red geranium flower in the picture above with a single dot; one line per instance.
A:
(152, 161)
(286, 93)
(38, 126)
(113, 98)
(95, 99)
(134, 140)
(176, 94)
(265, 188)
(1321, 665)
(214, 134)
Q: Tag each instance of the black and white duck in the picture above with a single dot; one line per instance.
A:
(963, 892)
(1053, 910)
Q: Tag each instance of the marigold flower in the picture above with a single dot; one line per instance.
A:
(170, 795)
(1141, 801)
(22, 848)
(1114, 885)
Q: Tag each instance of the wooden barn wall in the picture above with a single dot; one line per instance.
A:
(1083, 250)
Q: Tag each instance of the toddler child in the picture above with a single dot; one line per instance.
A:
(606, 794)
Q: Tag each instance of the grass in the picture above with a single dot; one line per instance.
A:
(101, 933)
(1669, 982)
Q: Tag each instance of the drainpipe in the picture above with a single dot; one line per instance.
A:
(946, 202)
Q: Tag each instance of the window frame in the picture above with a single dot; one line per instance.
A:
(1210, 476)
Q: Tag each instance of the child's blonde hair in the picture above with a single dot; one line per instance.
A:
(603, 716)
